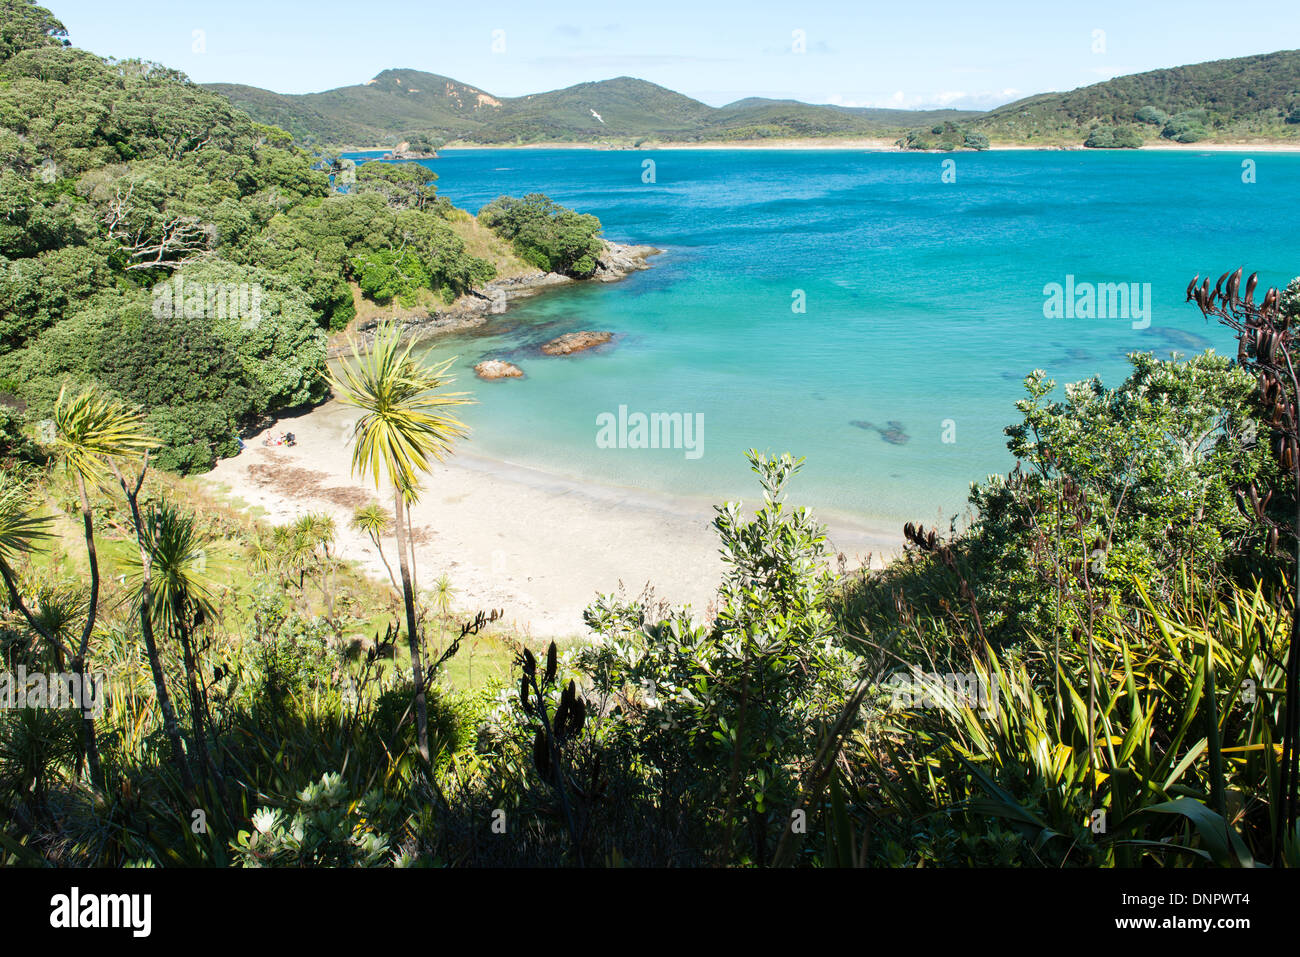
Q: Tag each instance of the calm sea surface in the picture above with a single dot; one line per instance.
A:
(923, 305)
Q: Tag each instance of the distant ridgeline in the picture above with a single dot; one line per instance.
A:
(1255, 97)
(406, 105)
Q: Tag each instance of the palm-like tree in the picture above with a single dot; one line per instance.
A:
(403, 428)
(320, 528)
(180, 601)
(131, 489)
(300, 548)
(21, 531)
(90, 430)
(374, 521)
(317, 532)
(443, 594)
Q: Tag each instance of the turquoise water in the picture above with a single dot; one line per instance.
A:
(924, 303)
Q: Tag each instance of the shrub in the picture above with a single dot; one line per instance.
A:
(275, 333)
(1101, 137)
(1151, 116)
(329, 828)
(1138, 481)
(15, 444)
(195, 388)
(546, 234)
(1128, 138)
(387, 275)
(1172, 770)
(741, 705)
(1186, 127)
(1112, 137)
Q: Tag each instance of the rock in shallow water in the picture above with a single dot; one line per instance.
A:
(576, 342)
(892, 431)
(497, 369)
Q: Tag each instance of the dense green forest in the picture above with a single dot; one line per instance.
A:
(1098, 669)
(1255, 97)
(160, 244)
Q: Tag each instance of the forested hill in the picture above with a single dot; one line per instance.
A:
(1243, 98)
(400, 105)
(1255, 97)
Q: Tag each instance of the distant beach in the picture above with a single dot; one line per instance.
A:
(883, 145)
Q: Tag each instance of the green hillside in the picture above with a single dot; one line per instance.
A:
(620, 107)
(159, 245)
(1254, 97)
(757, 118)
(394, 103)
(292, 114)
(399, 103)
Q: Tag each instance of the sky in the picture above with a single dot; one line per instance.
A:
(900, 53)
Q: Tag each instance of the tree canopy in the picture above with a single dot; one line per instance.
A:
(120, 180)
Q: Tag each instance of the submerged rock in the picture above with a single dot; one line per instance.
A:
(892, 431)
(1181, 337)
(576, 342)
(498, 369)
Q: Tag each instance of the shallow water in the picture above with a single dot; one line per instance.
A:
(924, 305)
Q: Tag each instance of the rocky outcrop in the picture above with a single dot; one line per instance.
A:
(493, 298)
(472, 309)
(498, 369)
(572, 342)
(618, 261)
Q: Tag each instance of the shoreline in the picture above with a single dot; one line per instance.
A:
(877, 145)
(539, 545)
(494, 298)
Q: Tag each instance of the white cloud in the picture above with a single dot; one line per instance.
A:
(935, 100)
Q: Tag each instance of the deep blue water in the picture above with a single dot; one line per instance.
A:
(924, 304)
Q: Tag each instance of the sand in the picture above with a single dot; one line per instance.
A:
(536, 545)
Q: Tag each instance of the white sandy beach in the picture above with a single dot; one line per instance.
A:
(536, 545)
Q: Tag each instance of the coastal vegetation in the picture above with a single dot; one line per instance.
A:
(1093, 672)
(545, 234)
(1242, 99)
(159, 244)
(1099, 668)
(946, 136)
(1114, 137)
